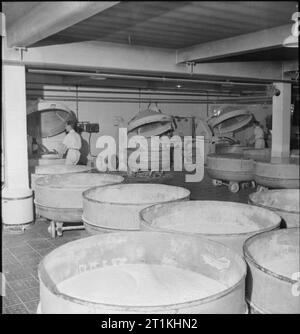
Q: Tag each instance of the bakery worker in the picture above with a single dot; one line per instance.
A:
(258, 139)
(71, 144)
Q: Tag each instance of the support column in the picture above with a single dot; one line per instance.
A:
(17, 197)
(281, 123)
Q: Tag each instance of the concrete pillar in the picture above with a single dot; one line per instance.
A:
(17, 197)
(281, 123)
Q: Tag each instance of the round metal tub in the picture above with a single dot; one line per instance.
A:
(230, 121)
(257, 154)
(47, 118)
(149, 252)
(231, 224)
(230, 149)
(230, 168)
(56, 169)
(49, 159)
(117, 207)
(274, 265)
(284, 202)
(59, 197)
(279, 175)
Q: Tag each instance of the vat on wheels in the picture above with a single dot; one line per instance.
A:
(59, 197)
(232, 169)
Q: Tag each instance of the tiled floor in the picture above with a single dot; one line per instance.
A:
(21, 253)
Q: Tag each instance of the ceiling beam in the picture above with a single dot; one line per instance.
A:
(48, 18)
(290, 66)
(99, 56)
(256, 41)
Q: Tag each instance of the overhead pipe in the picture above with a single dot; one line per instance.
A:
(130, 93)
(141, 98)
(140, 77)
(146, 100)
(156, 89)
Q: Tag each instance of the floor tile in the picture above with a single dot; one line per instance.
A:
(23, 284)
(21, 250)
(45, 251)
(16, 309)
(16, 273)
(40, 243)
(11, 299)
(29, 295)
(32, 306)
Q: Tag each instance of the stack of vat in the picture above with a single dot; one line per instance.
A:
(229, 166)
(180, 242)
(166, 254)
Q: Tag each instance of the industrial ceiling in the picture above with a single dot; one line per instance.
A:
(170, 25)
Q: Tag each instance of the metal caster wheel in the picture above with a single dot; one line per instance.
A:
(216, 183)
(234, 187)
(59, 229)
(52, 229)
(261, 188)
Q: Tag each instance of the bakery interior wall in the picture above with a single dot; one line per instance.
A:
(112, 115)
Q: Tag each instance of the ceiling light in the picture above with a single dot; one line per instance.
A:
(292, 40)
(178, 86)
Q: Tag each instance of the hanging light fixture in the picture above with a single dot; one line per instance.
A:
(292, 40)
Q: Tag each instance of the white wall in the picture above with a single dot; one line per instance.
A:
(107, 115)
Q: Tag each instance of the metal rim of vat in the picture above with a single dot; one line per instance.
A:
(43, 207)
(275, 182)
(83, 169)
(266, 165)
(76, 187)
(251, 201)
(214, 122)
(85, 194)
(155, 206)
(98, 228)
(250, 258)
(228, 175)
(229, 157)
(151, 117)
(51, 286)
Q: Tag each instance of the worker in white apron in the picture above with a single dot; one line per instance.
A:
(258, 139)
(72, 144)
